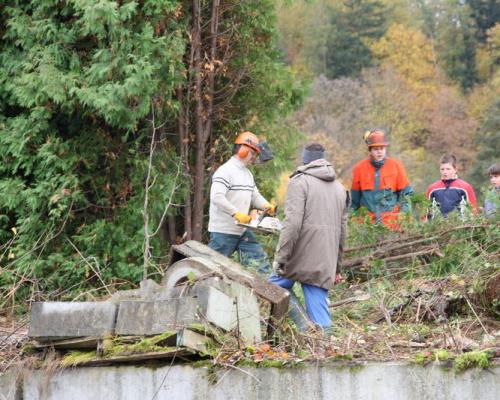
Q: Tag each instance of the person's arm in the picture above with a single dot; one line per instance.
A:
(343, 233)
(490, 203)
(472, 197)
(258, 201)
(428, 192)
(404, 188)
(355, 189)
(292, 225)
(404, 198)
(218, 190)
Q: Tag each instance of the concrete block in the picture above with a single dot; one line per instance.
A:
(11, 384)
(63, 320)
(200, 257)
(122, 295)
(155, 317)
(229, 305)
(192, 340)
(216, 307)
(248, 312)
(150, 290)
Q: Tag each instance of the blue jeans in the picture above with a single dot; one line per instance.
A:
(249, 249)
(316, 299)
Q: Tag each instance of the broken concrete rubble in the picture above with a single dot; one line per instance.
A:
(63, 320)
(216, 307)
(276, 296)
(230, 306)
(148, 318)
(199, 296)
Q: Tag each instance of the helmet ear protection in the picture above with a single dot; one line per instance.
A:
(247, 140)
(243, 151)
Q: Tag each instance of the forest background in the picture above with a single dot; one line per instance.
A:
(114, 115)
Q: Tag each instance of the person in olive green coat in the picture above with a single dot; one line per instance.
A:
(314, 231)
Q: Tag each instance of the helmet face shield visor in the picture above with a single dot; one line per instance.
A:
(265, 153)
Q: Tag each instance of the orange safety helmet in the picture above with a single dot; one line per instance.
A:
(375, 138)
(247, 139)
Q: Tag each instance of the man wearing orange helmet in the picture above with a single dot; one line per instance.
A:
(379, 183)
(232, 192)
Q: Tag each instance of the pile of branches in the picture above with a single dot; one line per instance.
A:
(402, 248)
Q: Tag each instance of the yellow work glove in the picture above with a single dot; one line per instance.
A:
(242, 218)
(270, 208)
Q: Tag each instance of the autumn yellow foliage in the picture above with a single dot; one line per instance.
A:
(282, 188)
(410, 53)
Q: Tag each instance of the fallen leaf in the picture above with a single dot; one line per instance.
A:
(265, 348)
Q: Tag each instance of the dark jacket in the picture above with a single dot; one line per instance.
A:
(449, 193)
(491, 202)
(314, 229)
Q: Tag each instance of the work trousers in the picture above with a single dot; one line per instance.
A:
(316, 299)
(250, 252)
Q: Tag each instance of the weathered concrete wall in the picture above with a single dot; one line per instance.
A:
(10, 384)
(368, 382)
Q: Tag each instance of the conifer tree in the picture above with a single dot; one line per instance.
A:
(81, 82)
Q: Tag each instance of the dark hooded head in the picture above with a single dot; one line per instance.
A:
(312, 152)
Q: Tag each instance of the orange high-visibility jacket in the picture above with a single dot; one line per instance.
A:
(380, 190)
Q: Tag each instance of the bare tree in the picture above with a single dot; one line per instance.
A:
(149, 233)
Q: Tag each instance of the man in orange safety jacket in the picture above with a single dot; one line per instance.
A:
(379, 183)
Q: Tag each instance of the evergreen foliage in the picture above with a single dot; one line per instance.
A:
(489, 145)
(353, 26)
(80, 83)
(456, 42)
(486, 13)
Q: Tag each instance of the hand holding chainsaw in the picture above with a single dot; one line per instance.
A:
(269, 209)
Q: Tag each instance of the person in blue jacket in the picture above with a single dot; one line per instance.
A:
(493, 196)
(450, 191)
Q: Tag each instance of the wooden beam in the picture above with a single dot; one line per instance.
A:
(168, 354)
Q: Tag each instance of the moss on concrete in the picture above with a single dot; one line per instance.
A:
(74, 358)
(145, 345)
(474, 359)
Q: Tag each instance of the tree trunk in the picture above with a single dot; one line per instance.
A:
(172, 231)
(183, 123)
(199, 170)
(204, 78)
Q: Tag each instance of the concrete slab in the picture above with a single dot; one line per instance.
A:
(155, 317)
(216, 307)
(241, 309)
(63, 320)
(11, 384)
(192, 340)
(371, 381)
(246, 308)
(193, 250)
(247, 312)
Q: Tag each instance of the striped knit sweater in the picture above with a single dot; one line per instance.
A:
(233, 189)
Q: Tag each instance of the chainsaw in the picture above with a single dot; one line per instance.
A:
(264, 224)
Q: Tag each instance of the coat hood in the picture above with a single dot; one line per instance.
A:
(320, 169)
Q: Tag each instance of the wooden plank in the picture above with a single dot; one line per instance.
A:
(96, 362)
(74, 343)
